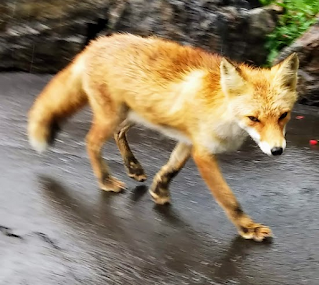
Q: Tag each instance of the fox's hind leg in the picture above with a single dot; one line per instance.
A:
(133, 167)
(107, 115)
(159, 189)
(98, 134)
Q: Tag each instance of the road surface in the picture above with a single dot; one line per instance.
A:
(56, 227)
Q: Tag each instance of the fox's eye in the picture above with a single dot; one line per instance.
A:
(252, 118)
(284, 115)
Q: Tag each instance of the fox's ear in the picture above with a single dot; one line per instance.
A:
(231, 79)
(286, 72)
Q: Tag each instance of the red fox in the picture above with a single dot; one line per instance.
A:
(208, 104)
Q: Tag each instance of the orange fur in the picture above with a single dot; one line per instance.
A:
(200, 99)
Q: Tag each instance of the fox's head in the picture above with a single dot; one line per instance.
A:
(262, 100)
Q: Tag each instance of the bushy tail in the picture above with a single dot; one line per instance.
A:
(61, 98)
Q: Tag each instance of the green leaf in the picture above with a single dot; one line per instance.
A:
(298, 16)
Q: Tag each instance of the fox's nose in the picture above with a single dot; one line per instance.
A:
(277, 150)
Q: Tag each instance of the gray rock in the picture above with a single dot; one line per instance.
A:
(44, 36)
(307, 47)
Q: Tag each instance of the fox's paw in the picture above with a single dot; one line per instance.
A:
(136, 171)
(160, 198)
(112, 185)
(255, 231)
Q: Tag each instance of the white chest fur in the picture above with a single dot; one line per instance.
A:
(225, 137)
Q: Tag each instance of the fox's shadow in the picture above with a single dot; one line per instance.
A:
(177, 235)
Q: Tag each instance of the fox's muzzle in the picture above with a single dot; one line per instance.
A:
(277, 150)
(272, 149)
(272, 144)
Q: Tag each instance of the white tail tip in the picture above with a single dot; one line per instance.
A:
(37, 145)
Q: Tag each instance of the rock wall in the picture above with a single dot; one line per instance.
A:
(43, 36)
(307, 47)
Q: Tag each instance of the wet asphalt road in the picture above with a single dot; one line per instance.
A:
(56, 227)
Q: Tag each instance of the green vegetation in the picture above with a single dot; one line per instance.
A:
(297, 17)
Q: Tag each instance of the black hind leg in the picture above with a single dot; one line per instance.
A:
(133, 167)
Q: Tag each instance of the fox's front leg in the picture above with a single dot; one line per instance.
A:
(159, 189)
(210, 172)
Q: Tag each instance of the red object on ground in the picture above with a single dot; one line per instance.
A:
(299, 117)
(313, 142)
